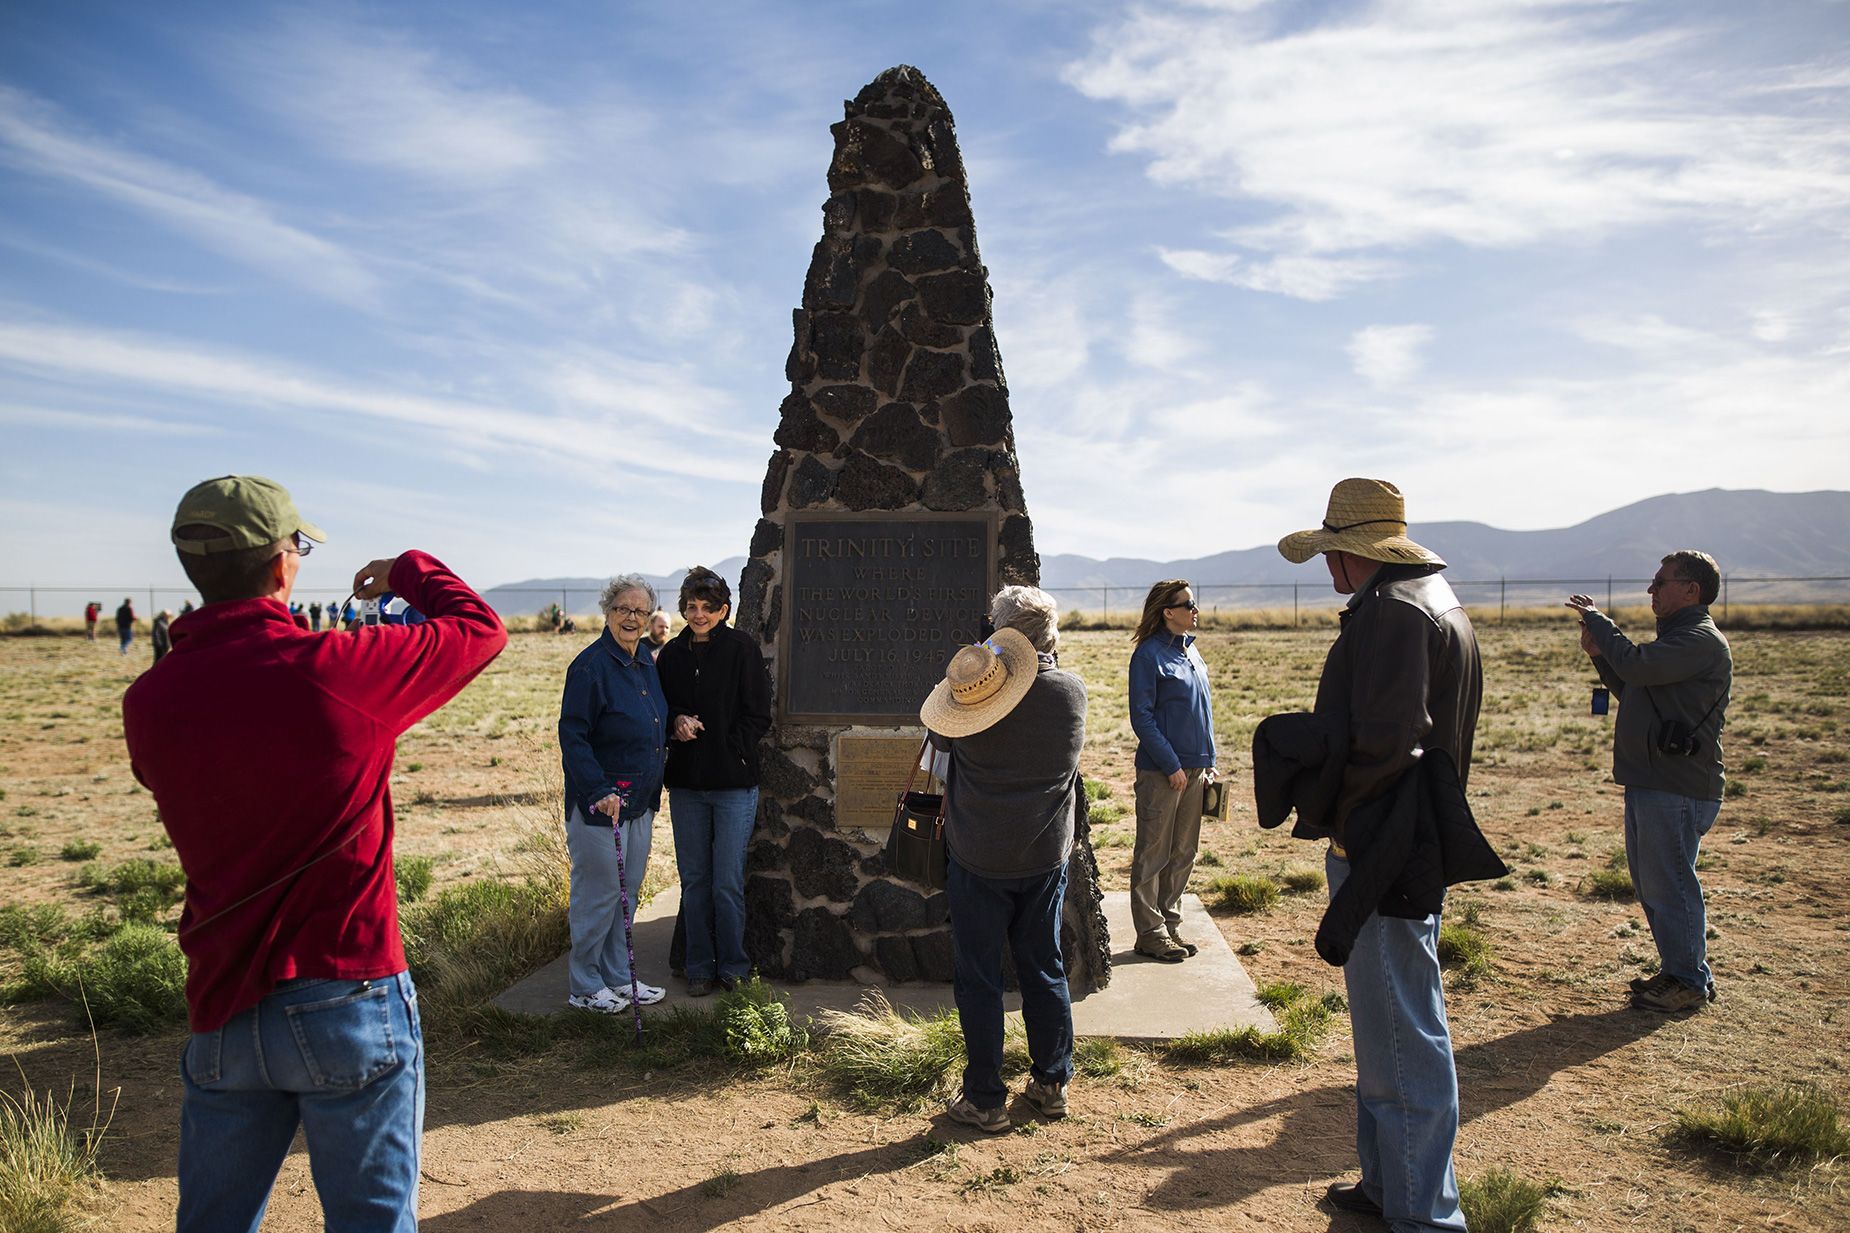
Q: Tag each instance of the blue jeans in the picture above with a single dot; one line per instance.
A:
(345, 1060)
(1662, 834)
(600, 951)
(127, 635)
(1406, 1086)
(711, 829)
(1024, 912)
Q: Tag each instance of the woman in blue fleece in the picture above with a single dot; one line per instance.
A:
(1174, 722)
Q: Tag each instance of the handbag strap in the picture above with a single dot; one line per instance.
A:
(913, 777)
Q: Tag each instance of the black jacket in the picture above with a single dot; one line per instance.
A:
(726, 687)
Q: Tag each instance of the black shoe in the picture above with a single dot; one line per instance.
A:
(699, 988)
(1351, 1198)
(728, 983)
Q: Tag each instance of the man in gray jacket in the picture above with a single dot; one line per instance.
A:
(1667, 753)
(1403, 679)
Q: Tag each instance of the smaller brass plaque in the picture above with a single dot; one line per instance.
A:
(870, 773)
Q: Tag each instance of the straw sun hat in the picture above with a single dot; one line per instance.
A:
(981, 684)
(1366, 517)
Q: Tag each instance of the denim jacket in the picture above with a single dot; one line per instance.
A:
(1170, 712)
(613, 726)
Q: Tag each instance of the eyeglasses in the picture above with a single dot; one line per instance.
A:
(1192, 607)
(640, 614)
(1659, 583)
(302, 546)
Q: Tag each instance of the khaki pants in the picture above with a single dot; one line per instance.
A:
(1168, 835)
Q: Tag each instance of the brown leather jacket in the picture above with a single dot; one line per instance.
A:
(1403, 676)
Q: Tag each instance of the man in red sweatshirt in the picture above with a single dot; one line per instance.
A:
(268, 752)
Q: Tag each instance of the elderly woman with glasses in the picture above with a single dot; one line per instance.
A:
(719, 695)
(613, 724)
(1174, 721)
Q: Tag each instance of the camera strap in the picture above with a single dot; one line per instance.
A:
(1695, 727)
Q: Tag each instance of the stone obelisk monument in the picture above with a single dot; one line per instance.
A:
(893, 510)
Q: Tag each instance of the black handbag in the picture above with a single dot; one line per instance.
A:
(915, 847)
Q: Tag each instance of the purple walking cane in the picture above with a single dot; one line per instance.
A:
(623, 900)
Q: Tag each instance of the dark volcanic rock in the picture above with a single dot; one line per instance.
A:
(773, 613)
(931, 375)
(921, 252)
(1008, 482)
(780, 777)
(866, 483)
(770, 913)
(838, 212)
(800, 365)
(894, 955)
(865, 153)
(812, 483)
(824, 947)
(958, 298)
(883, 295)
(1019, 561)
(773, 489)
(933, 955)
(895, 434)
(800, 429)
(887, 907)
(978, 415)
(752, 584)
(875, 209)
(846, 403)
(957, 481)
(830, 283)
(985, 364)
(815, 811)
(886, 360)
(837, 341)
(821, 867)
(767, 537)
(920, 330)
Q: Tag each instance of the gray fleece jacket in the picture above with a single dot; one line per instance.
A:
(1682, 675)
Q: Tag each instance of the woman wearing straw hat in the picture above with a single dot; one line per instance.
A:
(1174, 723)
(1013, 723)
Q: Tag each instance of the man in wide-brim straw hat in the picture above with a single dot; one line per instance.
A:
(1402, 680)
(1013, 723)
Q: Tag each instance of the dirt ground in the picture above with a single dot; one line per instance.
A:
(1560, 1081)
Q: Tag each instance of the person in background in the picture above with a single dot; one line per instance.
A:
(303, 1014)
(125, 623)
(1672, 794)
(1014, 724)
(186, 607)
(1174, 722)
(658, 631)
(719, 702)
(613, 737)
(159, 635)
(93, 612)
(314, 617)
(1402, 683)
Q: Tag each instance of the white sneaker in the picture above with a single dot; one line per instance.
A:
(648, 995)
(605, 1001)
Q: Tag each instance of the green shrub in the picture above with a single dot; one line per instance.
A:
(1464, 949)
(1104, 813)
(80, 850)
(1612, 882)
(1301, 881)
(1786, 1124)
(1243, 893)
(880, 1058)
(1302, 1022)
(163, 879)
(24, 927)
(1096, 790)
(136, 979)
(757, 1027)
(1501, 1202)
(414, 877)
(477, 938)
(25, 854)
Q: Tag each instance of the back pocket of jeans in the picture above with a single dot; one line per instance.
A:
(346, 1042)
(203, 1057)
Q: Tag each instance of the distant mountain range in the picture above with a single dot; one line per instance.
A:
(1751, 532)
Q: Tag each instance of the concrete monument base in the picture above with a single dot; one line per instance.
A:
(1146, 1000)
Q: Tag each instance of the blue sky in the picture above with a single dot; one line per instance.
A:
(514, 284)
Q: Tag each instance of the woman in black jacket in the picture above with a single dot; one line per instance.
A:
(719, 707)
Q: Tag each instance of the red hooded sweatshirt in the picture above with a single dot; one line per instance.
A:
(268, 749)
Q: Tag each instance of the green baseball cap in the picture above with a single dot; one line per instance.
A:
(251, 511)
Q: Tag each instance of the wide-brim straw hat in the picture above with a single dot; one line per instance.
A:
(1366, 517)
(981, 684)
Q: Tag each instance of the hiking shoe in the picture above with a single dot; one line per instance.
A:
(699, 988)
(1652, 984)
(1162, 948)
(1678, 997)
(605, 1001)
(1350, 1197)
(728, 983)
(648, 995)
(1183, 942)
(1711, 991)
(1047, 1099)
(990, 1121)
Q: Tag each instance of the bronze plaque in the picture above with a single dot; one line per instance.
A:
(874, 607)
(870, 773)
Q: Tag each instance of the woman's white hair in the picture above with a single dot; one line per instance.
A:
(1029, 611)
(626, 582)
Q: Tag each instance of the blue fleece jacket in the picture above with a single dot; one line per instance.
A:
(1170, 712)
(612, 727)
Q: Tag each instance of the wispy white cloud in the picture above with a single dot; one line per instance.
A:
(35, 137)
(1299, 276)
(1399, 123)
(92, 421)
(1386, 355)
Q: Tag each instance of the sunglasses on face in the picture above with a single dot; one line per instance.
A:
(1192, 607)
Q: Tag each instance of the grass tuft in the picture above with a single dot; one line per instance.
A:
(1302, 1022)
(46, 1167)
(1612, 882)
(1243, 893)
(80, 850)
(882, 1059)
(1778, 1125)
(1501, 1202)
(135, 980)
(1464, 948)
(1301, 881)
(414, 877)
(1098, 1057)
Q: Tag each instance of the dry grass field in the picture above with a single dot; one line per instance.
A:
(565, 1126)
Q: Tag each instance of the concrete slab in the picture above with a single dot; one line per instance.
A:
(1146, 1000)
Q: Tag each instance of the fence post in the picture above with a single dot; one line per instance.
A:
(1294, 605)
(151, 608)
(1724, 598)
(565, 603)
(1503, 586)
(1608, 592)
(1104, 605)
(33, 603)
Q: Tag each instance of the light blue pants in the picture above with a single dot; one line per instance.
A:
(344, 1060)
(1663, 832)
(600, 955)
(1406, 1087)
